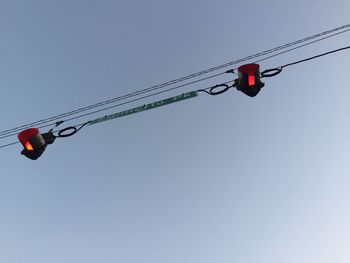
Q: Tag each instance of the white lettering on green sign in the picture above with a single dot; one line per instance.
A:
(145, 107)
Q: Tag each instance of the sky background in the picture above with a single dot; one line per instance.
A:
(213, 179)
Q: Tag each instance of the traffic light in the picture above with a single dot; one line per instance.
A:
(34, 143)
(249, 79)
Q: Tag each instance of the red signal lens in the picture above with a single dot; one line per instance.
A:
(28, 146)
(251, 80)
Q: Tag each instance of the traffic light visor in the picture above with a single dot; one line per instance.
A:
(31, 139)
(26, 135)
(249, 69)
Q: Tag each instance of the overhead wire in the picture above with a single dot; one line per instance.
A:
(223, 87)
(314, 57)
(300, 46)
(117, 105)
(275, 71)
(9, 144)
(213, 90)
(97, 105)
(12, 132)
(324, 35)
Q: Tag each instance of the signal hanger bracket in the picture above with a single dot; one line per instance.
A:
(49, 137)
(218, 89)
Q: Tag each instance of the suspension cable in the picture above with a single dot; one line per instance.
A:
(214, 90)
(322, 36)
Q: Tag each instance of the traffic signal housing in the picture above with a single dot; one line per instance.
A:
(34, 142)
(249, 79)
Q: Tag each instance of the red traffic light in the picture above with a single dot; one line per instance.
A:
(31, 138)
(249, 79)
(34, 143)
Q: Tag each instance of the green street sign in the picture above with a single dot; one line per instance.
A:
(145, 107)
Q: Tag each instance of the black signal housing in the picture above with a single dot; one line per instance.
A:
(34, 142)
(249, 79)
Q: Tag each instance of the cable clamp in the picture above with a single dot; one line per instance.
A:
(70, 131)
(271, 72)
(218, 89)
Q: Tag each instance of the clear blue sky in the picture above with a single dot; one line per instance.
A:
(215, 179)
